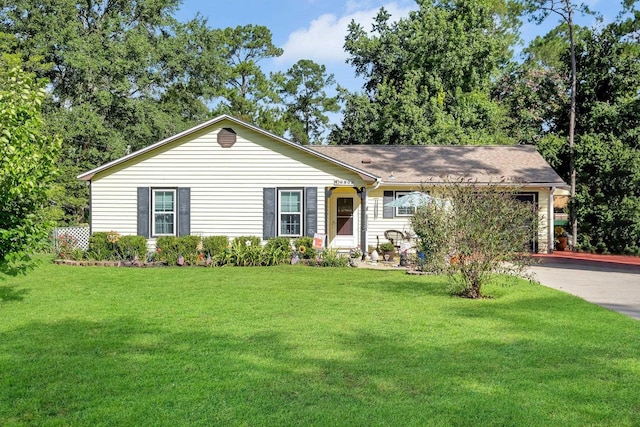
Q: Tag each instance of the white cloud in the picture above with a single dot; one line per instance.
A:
(322, 41)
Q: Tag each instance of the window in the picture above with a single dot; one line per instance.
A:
(404, 211)
(164, 212)
(290, 213)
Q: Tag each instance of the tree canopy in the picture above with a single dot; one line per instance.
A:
(28, 161)
(428, 77)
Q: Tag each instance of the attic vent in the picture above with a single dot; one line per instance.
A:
(366, 160)
(226, 137)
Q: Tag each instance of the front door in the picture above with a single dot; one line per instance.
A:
(345, 229)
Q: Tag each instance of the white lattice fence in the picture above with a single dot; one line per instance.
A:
(79, 235)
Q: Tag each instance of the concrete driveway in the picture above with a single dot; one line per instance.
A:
(614, 286)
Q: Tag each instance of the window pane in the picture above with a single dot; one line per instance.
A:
(290, 224)
(164, 223)
(164, 201)
(290, 201)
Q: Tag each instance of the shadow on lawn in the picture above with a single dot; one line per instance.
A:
(12, 293)
(129, 372)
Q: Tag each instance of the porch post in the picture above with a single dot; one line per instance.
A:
(363, 219)
(551, 232)
(327, 195)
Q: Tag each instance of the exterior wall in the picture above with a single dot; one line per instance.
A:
(377, 224)
(226, 183)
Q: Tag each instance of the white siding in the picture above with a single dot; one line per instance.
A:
(377, 225)
(226, 183)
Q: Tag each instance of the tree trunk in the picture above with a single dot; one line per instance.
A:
(572, 125)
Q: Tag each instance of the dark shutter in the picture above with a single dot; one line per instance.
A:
(268, 213)
(387, 211)
(143, 211)
(311, 211)
(184, 211)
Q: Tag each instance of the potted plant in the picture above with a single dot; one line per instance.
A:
(388, 251)
(561, 238)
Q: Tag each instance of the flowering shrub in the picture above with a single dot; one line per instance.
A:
(66, 247)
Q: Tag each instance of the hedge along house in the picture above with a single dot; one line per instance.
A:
(227, 177)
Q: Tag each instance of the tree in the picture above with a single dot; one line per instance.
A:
(247, 93)
(427, 77)
(565, 9)
(28, 159)
(607, 125)
(303, 89)
(121, 75)
(482, 230)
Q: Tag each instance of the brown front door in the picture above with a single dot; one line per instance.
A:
(344, 216)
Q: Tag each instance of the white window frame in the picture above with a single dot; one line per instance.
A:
(174, 212)
(300, 213)
(396, 196)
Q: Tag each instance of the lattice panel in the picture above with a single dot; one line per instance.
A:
(80, 234)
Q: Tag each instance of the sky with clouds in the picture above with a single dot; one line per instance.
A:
(316, 29)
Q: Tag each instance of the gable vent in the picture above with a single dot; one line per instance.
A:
(226, 137)
(367, 160)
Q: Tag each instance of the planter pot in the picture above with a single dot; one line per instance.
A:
(388, 255)
(561, 245)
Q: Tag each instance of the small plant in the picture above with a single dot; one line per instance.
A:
(387, 247)
(277, 251)
(66, 243)
(304, 247)
(246, 251)
(331, 258)
(559, 231)
(355, 253)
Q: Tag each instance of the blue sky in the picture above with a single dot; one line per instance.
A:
(315, 29)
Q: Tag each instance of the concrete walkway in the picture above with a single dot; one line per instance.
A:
(611, 282)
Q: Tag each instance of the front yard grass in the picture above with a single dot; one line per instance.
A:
(294, 345)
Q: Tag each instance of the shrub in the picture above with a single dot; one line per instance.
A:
(216, 247)
(167, 249)
(331, 258)
(189, 247)
(65, 245)
(246, 251)
(100, 248)
(277, 251)
(431, 224)
(129, 247)
(484, 228)
(304, 246)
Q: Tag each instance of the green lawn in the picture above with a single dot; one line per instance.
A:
(304, 346)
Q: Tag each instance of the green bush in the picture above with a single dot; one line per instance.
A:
(217, 247)
(305, 242)
(331, 258)
(167, 249)
(277, 251)
(107, 246)
(189, 248)
(100, 248)
(130, 246)
(246, 251)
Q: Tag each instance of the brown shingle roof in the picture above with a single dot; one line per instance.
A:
(434, 163)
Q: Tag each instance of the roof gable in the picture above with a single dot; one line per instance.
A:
(149, 150)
